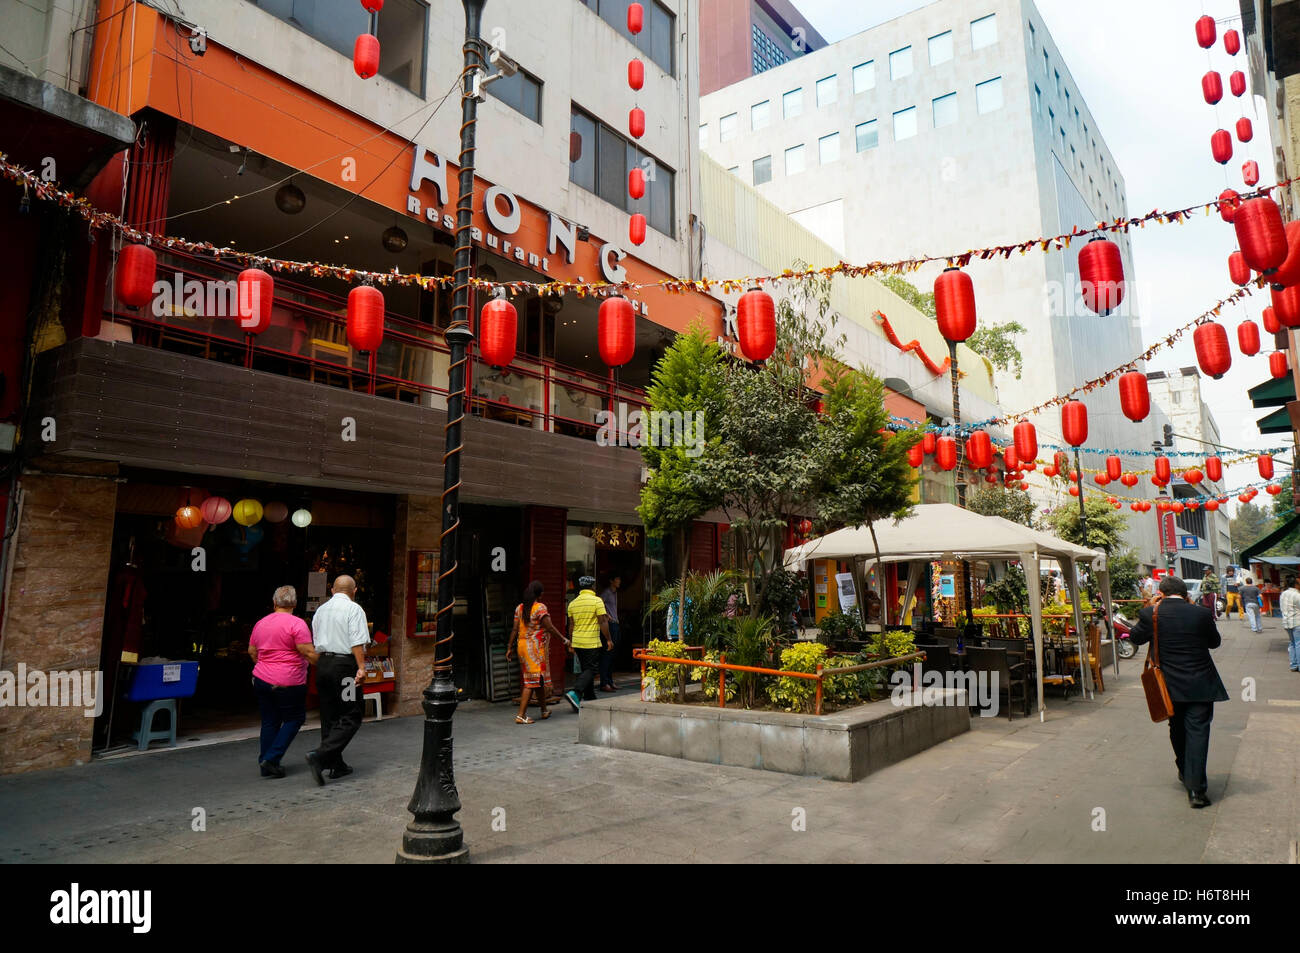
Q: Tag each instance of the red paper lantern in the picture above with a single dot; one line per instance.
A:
(1250, 172)
(1101, 479)
(928, 442)
(1114, 467)
(635, 73)
(189, 517)
(1023, 485)
(1193, 476)
(365, 318)
(1074, 476)
(1010, 458)
(1265, 463)
(1243, 498)
(636, 122)
(137, 266)
(805, 527)
(1237, 83)
(1273, 489)
(1178, 507)
(616, 331)
(1214, 469)
(1221, 146)
(256, 296)
(1061, 460)
(365, 55)
(1074, 422)
(1245, 133)
(636, 183)
(1101, 275)
(979, 450)
(756, 328)
(498, 332)
(1248, 338)
(1129, 479)
(1288, 273)
(1212, 87)
(954, 304)
(915, 455)
(1112, 500)
(945, 453)
(1238, 270)
(990, 478)
(1277, 364)
(1232, 42)
(575, 146)
(216, 510)
(635, 17)
(1211, 505)
(636, 229)
(1260, 234)
(1074, 491)
(1212, 350)
(1229, 202)
(1026, 441)
(372, 6)
(1271, 323)
(1205, 31)
(1134, 397)
(1162, 469)
(1286, 306)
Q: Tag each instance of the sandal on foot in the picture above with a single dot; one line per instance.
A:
(523, 720)
(545, 715)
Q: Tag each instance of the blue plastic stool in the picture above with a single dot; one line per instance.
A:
(146, 735)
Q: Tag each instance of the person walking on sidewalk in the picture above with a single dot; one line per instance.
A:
(281, 649)
(532, 626)
(340, 633)
(1250, 600)
(1231, 594)
(1210, 591)
(1184, 635)
(589, 629)
(609, 596)
(1291, 620)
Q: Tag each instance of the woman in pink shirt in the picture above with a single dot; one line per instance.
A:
(281, 649)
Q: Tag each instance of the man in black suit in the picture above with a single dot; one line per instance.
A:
(1185, 634)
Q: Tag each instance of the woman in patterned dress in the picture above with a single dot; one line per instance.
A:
(532, 626)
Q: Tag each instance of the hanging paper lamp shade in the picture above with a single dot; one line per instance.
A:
(189, 517)
(1026, 441)
(1101, 275)
(1212, 87)
(365, 55)
(1074, 491)
(1245, 131)
(1114, 467)
(1050, 470)
(1288, 273)
(616, 331)
(365, 318)
(1238, 270)
(1161, 467)
(979, 450)
(575, 146)
(636, 229)
(1286, 306)
(929, 442)
(1193, 476)
(954, 305)
(137, 266)
(1232, 42)
(636, 122)
(635, 73)
(1134, 397)
(1212, 351)
(805, 527)
(1211, 505)
(1277, 364)
(1011, 458)
(1261, 235)
(1129, 479)
(1178, 507)
(1214, 469)
(247, 512)
(1248, 338)
(635, 18)
(1265, 463)
(256, 297)
(1074, 476)
(1221, 146)
(990, 478)
(1074, 422)
(1271, 323)
(301, 518)
(275, 512)
(374, 6)
(1273, 489)
(1229, 201)
(756, 328)
(1023, 485)
(498, 331)
(636, 183)
(1243, 498)
(1112, 501)
(1205, 31)
(1237, 83)
(915, 455)
(216, 510)
(1102, 479)
(1250, 172)
(945, 453)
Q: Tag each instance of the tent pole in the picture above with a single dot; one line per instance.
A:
(1103, 577)
(1085, 670)
(1033, 583)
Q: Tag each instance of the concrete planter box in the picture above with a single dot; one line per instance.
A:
(845, 746)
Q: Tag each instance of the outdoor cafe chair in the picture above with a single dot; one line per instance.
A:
(937, 658)
(1010, 677)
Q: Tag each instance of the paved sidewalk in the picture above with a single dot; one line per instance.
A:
(1006, 791)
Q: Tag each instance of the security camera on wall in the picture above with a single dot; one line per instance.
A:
(503, 63)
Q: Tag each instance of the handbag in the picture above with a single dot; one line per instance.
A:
(1160, 705)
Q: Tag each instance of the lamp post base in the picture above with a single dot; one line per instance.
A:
(434, 836)
(433, 844)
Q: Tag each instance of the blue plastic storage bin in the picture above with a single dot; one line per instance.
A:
(147, 683)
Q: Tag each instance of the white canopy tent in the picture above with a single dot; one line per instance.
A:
(938, 529)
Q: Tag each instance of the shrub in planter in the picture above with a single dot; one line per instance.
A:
(798, 694)
(668, 679)
(837, 627)
(708, 678)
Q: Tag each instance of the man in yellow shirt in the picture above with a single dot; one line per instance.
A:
(588, 629)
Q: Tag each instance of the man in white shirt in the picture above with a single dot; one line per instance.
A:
(1291, 620)
(340, 635)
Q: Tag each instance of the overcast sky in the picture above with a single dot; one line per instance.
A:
(1138, 66)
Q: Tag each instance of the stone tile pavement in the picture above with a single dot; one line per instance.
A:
(1004, 792)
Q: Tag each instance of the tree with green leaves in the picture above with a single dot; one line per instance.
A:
(1106, 525)
(996, 500)
(1251, 524)
(1125, 570)
(1283, 511)
(921, 301)
(997, 342)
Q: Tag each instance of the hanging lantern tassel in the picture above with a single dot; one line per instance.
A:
(756, 328)
(616, 331)
(365, 55)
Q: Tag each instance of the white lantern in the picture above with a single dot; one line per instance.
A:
(301, 518)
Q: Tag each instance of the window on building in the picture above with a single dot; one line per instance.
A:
(1058, 84)
(1074, 159)
(867, 135)
(828, 89)
(656, 39)
(792, 103)
(521, 92)
(988, 95)
(940, 48)
(900, 63)
(984, 32)
(1033, 38)
(794, 160)
(1078, 124)
(828, 149)
(1067, 104)
(945, 110)
(1047, 64)
(1062, 132)
(1051, 118)
(727, 127)
(762, 170)
(1176, 397)
(1038, 101)
(760, 114)
(734, 170)
(402, 32)
(704, 135)
(600, 160)
(905, 124)
(864, 77)
(767, 52)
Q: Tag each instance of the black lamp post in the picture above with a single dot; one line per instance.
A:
(435, 836)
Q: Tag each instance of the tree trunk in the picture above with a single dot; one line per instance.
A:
(880, 584)
(681, 587)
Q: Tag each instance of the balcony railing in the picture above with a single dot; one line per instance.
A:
(307, 339)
